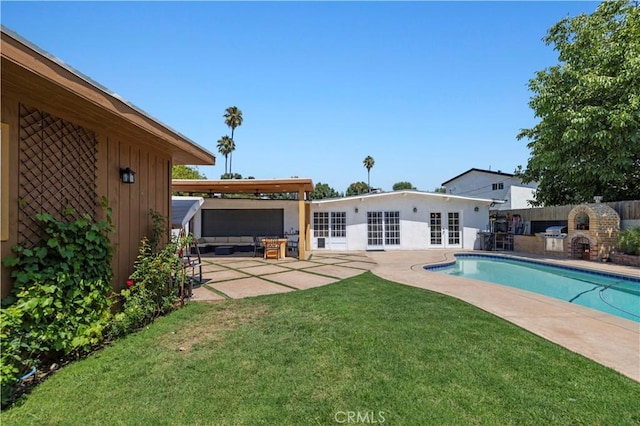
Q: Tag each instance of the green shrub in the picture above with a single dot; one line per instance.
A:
(18, 354)
(60, 301)
(154, 285)
(628, 241)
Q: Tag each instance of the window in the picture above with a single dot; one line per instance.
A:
(497, 186)
(338, 224)
(321, 224)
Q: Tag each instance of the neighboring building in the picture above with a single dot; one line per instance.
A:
(498, 186)
(66, 141)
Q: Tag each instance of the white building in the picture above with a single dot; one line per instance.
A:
(498, 186)
(399, 220)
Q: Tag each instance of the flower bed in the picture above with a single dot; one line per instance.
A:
(625, 259)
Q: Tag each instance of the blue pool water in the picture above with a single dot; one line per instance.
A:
(614, 294)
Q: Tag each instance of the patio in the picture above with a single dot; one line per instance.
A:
(243, 275)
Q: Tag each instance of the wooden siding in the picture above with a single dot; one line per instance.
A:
(118, 145)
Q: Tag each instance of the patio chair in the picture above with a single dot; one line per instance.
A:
(258, 247)
(271, 248)
(292, 245)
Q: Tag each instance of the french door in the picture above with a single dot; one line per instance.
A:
(444, 230)
(383, 229)
(435, 229)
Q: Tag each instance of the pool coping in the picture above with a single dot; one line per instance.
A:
(609, 340)
(595, 271)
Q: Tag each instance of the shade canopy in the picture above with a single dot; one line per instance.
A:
(183, 209)
(243, 186)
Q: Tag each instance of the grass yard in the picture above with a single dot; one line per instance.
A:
(364, 349)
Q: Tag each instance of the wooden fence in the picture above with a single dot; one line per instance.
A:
(627, 210)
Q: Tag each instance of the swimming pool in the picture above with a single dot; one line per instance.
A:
(614, 294)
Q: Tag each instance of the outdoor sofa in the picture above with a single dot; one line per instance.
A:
(241, 243)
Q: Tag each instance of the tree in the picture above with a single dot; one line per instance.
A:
(402, 185)
(440, 190)
(587, 142)
(186, 172)
(231, 176)
(368, 163)
(358, 188)
(225, 147)
(232, 118)
(322, 191)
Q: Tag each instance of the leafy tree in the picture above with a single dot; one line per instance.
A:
(358, 188)
(441, 190)
(186, 172)
(231, 176)
(368, 163)
(402, 185)
(322, 191)
(232, 118)
(226, 147)
(588, 139)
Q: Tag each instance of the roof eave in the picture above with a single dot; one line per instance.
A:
(46, 66)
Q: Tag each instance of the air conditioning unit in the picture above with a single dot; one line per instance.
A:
(320, 243)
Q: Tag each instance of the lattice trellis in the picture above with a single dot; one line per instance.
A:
(57, 170)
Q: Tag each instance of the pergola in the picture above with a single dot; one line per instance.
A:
(302, 187)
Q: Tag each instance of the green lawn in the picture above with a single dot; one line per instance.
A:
(364, 347)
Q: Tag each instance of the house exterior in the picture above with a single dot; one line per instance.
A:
(66, 141)
(399, 220)
(499, 186)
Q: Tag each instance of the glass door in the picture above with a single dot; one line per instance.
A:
(435, 229)
(375, 231)
(453, 229)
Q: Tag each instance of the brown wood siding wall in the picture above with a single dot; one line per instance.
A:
(116, 148)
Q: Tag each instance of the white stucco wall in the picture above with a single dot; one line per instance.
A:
(414, 226)
(517, 198)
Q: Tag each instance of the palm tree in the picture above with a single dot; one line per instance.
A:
(232, 118)
(225, 147)
(368, 164)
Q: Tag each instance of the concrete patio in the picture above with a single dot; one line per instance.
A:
(604, 338)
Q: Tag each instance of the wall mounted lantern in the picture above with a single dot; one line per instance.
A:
(415, 210)
(476, 209)
(127, 175)
(356, 210)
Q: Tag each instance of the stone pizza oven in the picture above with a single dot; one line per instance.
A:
(592, 230)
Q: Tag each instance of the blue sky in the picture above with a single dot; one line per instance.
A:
(428, 89)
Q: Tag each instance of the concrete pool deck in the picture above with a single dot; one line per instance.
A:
(606, 339)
